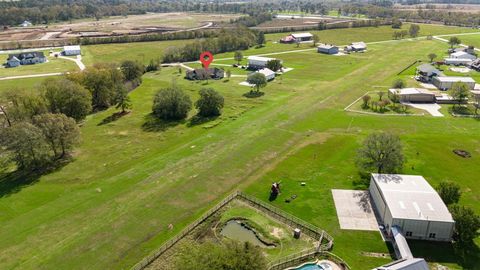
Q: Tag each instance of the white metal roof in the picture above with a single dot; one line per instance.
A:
(455, 79)
(302, 35)
(359, 45)
(408, 264)
(401, 243)
(326, 46)
(71, 48)
(260, 58)
(411, 91)
(411, 197)
(267, 72)
(462, 54)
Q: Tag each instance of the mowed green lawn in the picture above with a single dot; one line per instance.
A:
(473, 39)
(133, 177)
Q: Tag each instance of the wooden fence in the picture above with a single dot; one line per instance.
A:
(268, 209)
(304, 257)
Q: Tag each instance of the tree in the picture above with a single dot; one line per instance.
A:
(381, 153)
(366, 99)
(22, 105)
(380, 95)
(454, 41)
(67, 97)
(27, 145)
(228, 74)
(171, 103)
(260, 39)
(154, 65)
(396, 35)
(467, 224)
(258, 80)
(230, 255)
(414, 30)
(210, 103)
(403, 33)
(316, 39)
(398, 84)
(274, 65)
(476, 103)
(132, 71)
(60, 132)
(432, 57)
(449, 192)
(122, 100)
(396, 23)
(238, 56)
(322, 25)
(460, 91)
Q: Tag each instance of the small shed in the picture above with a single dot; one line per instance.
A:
(412, 95)
(327, 49)
(72, 50)
(269, 74)
(356, 47)
(445, 83)
(302, 37)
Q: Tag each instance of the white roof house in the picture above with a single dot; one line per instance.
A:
(302, 35)
(446, 82)
(462, 55)
(72, 50)
(409, 202)
(258, 62)
(456, 79)
(406, 264)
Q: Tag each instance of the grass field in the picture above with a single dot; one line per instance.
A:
(131, 178)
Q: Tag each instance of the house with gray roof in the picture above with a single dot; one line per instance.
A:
(28, 58)
(327, 49)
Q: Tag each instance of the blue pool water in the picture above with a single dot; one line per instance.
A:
(310, 266)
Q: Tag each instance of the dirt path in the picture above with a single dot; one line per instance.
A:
(31, 76)
(77, 61)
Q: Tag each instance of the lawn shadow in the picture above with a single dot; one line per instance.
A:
(155, 124)
(199, 120)
(444, 252)
(112, 118)
(253, 94)
(12, 182)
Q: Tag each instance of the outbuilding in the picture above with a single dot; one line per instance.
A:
(258, 62)
(412, 95)
(297, 37)
(445, 83)
(269, 74)
(457, 61)
(72, 50)
(411, 204)
(327, 49)
(356, 47)
(462, 55)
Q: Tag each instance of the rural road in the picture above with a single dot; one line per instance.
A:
(31, 76)
(462, 45)
(77, 61)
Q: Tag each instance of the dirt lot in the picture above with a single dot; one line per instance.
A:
(285, 22)
(443, 7)
(134, 24)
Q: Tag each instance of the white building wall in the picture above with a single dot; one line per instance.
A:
(443, 230)
(377, 199)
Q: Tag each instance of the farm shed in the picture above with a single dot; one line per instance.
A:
(298, 37)
(327, 48)
(72, 50)
(413, 95)
(258, 62)
(269, 74)
(457, 61)
(445, 83)
(462, 55)
(356, 47)
(409, 202)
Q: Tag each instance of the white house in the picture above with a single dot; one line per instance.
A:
(269, 74)
(302, 37)
(258, 62)
(445, 83)
(458, 61)
(411, 204)
(26, 24)
(72, 50)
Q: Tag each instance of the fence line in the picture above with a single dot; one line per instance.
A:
(305, 256)
(274, 212)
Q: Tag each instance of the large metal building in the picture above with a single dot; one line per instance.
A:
(409, 202)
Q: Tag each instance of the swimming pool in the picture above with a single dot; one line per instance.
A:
(309, 266)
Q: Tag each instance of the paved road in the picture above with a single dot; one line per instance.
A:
(77, 61)
(462, 45)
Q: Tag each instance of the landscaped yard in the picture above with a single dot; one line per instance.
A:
(54, 65)
(133, 177)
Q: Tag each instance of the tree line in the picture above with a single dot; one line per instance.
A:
(40, 127)
(240, 38)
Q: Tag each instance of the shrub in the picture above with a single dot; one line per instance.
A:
(171, 104)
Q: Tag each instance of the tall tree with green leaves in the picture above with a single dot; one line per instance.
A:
(238, 56)
(210, 103)
(22, 105)
(132, 71)
(449, 192)
(260, 39)
(258, 80)
(274, 65)
(459, 92)
(60, 132)
(315, 39)
(454, 41)
(414, 30)
(381, 153)
(171, 103)
(432, 57)
(467, 224)
(67, 97)
(122, 100)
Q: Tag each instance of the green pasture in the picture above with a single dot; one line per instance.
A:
(473, 39)
(132, 177)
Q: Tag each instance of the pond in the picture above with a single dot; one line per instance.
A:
(236, 230)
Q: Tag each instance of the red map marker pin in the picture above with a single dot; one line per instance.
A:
(206, 58)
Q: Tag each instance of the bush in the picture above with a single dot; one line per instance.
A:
(210, 103)
(171, 104)
(398, 84)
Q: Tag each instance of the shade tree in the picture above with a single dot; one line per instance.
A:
(171, 103)
(258, 80)
(210, 103)
(381, 153)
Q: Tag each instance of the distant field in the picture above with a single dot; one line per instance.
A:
(133, 177)
(473, 39)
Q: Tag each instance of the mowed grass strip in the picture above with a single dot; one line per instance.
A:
(130, 178)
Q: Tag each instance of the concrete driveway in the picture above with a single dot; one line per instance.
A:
(431, 108)
(354, 210)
